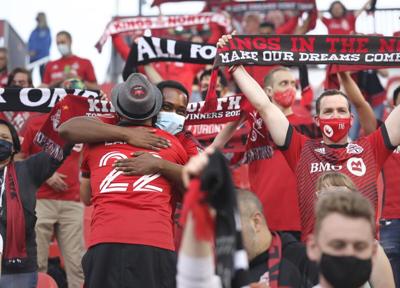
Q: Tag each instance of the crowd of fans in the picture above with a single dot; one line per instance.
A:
(317, 208)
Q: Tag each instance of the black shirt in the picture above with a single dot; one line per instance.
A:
(295, 270)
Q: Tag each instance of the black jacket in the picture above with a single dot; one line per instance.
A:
(31, 173)
(295, 269)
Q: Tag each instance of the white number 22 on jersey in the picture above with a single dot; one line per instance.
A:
(140, 185)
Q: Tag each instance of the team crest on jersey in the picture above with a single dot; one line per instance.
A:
(353, 148)
(356, 166)
(55, 119)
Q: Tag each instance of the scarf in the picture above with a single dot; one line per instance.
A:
(310, 49)
(215, 189)
(131, 24)
(274, 260)
(153, 49)
(15, 248)
(253, 6)
(36, 99)
(232, 262)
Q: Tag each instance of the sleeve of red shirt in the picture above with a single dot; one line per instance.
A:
(288, 27)
(189, 143)
(46, 76)
(216, 32)
(89, 72)
(380, 142)
(326, 21)
(120, 45)
(291, 150)
(28, 139)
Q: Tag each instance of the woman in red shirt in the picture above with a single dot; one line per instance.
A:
(342, 21)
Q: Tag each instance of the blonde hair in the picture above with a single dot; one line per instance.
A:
(334, 179)
(352, 205)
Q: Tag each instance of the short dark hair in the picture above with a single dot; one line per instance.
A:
(340, 3)
(267, 24)
(65, 33)
(4, 50)
(173, 84)
(14, 135)
(396, 93)
(330, 92)
(207, 72)
(19, 70)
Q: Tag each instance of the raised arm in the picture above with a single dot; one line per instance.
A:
(153, 74)
(92, 130)
(275, 120)
(392, 124)
(367, 117)
(363, 8)
(226, 133)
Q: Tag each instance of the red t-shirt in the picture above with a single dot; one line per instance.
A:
(82, 68)
(70, 167)
(361, 160)
(130, 209)
(391, 178)
(184, 73)
(259, 72)
(266, 167)
(189, 143)
(17, 119)
(341, 26)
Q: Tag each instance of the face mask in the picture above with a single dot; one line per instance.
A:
(5, 149)
(335, 129)
(170, 122)
(345, 271)
(64, 49)
(204, 94)
(285, 98)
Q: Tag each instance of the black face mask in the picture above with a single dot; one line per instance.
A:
(204, 94)
(5, 149)
(345, 271)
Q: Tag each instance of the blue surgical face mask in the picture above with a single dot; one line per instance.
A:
(170, 122)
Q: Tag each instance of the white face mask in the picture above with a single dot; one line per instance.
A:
(64, 49)
(170, 122)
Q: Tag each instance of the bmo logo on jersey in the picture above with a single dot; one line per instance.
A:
(356, 166)
(324, 167)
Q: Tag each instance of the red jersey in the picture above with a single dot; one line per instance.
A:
(266, 167)
(130, 209)
(57, 70)
(361, 160)
(259, 72)
(391, 178)
(17, 119)
(184, 73)
(70, 167)
(189, 143)
(341, 26)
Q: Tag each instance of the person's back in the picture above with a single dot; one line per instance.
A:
(117, 197)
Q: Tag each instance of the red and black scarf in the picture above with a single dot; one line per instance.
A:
(15, 246)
